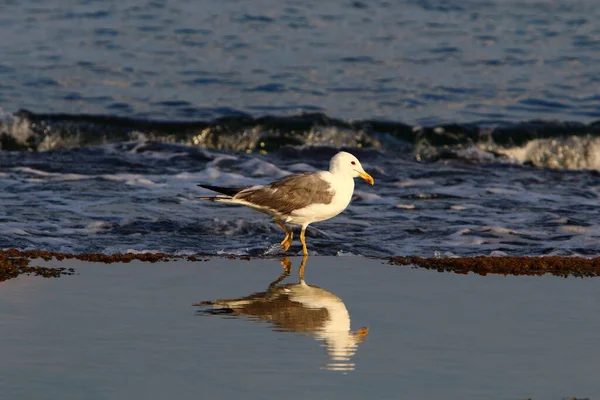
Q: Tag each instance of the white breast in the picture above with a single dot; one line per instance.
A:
(343, 188)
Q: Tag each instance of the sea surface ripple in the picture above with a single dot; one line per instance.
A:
(419, 61)
(478, 120)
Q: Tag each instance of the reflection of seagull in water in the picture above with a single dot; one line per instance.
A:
(299, 307)
(300, 199)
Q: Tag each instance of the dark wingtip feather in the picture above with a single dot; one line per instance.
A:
(223, 190)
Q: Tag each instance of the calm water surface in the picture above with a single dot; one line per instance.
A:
(422, 61)
(130, 331)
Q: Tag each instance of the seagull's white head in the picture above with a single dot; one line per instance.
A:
(344, 163)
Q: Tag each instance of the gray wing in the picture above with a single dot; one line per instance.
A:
(290, 193)
(273, 306)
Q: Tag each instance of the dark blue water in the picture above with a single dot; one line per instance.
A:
(418, 61)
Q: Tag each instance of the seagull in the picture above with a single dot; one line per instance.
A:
(298, 307)
(300, 199)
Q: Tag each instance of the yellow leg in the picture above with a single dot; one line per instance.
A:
(286, 263)
(289, 234)
(303, 241)
(302, 265)
(287, 269)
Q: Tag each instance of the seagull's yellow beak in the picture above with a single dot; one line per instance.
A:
(366, 177)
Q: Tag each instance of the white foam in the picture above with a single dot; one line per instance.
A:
(342, 253)
(237, 252)
(14, 231)
(371, 198)
(302, 167)
(572, 152)
(497, 230)
(221, 159)
(503, 191)
(273, 249)
(53, 176)
(477, 154)
(132, 179)
(33, 171)
(18, 128)
(414, 183)
(96, 227)
(256, 167)
(46, 240)
(572, 229)
(214, 176)
(143, 251)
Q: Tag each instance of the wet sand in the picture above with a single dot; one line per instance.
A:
(559, 266)
(355, 328)
(14, 262)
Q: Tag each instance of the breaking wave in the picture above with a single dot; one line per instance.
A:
(550, 144)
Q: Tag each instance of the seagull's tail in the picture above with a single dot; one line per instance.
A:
(216, 198)
(228, 192)
(233, 303)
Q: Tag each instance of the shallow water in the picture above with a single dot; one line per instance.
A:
(425, 92)
(145, 199)
(130, 330)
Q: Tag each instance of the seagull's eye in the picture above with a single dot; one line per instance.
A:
(353, 162)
